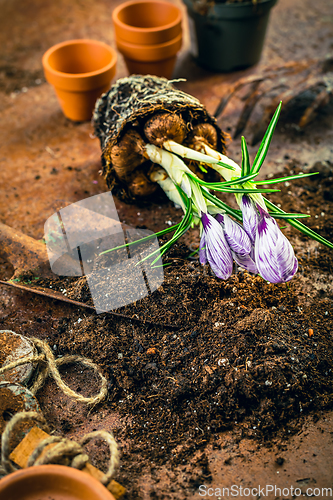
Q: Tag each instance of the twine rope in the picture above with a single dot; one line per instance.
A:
(6, 464)
(48, 366)
(66, 452)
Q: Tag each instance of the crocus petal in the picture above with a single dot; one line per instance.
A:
(237, 238)
(250, 216)
(246, 262)
(221, 267)
(274, 254)
(218, 252)
(202, 249)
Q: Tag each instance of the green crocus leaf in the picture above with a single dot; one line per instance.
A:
(225, 165)
(183, 226)
(262, 152)
(220, 204)
(233, 182)
(244, 190)
(287, 178)
(298, 225)
(142, 240)
(246, 167)
(277, 215)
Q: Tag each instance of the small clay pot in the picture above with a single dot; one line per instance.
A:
(52, 482)
(158, 60)
(148, 33)
(80, 72)
(147, 22)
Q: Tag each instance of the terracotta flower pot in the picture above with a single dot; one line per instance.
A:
(156, 59)
(147, 21)
(149, 35)
(52, 481)
(80, 72)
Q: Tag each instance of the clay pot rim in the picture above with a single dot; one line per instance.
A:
(78, 41)
(59, 472)
(157, 46)
(150, 53)
(136, 29)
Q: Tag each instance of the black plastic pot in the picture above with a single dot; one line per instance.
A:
(226, 37)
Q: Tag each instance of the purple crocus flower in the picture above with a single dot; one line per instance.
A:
(274, 254)
(240, 243)
(250, 216)
(235, 235)
(214, 248)
(246, 261)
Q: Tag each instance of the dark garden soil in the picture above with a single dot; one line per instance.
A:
(241, 366)
(240, 354)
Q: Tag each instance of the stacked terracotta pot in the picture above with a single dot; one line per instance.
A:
(148, 34)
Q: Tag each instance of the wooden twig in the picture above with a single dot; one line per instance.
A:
(58, 296)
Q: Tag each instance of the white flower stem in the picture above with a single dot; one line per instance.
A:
(226, 173)
(174, 166)
(164, 181)
(188, 153)
(177, 171)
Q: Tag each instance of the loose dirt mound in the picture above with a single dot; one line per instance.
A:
(239, 351)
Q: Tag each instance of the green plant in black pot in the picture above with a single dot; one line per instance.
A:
(227, 34)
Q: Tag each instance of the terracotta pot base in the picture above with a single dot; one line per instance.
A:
(159, 68)
(78, 106)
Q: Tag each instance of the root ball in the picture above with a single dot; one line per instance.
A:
(140, 186)
(140, 109)
(128, 154)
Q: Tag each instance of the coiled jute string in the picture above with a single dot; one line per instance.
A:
(65, 452)
(48, 366)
